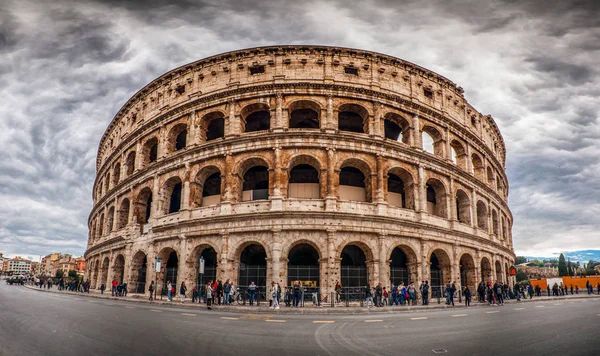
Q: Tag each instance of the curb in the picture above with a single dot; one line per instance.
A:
(306, 310)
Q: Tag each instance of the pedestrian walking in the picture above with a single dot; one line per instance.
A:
(338, 291)
(151, 289)
(425, 293)
(449, 294)
(296, 290)
(412, 291)
(182, 291)
(169, 291)
(114, 287)
(102, 288)
(467, 295)
(275, 304)
(368, 296)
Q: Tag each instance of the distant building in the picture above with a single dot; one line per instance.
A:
(535, 272)
(35, 268)
(19, 265)
(80, 265)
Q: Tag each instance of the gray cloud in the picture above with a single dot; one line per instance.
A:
(67, 67)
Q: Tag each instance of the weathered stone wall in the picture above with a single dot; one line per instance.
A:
(328, 81)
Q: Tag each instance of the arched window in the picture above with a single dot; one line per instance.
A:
(400, 188)
(490, 176)
(432, 141)
(495, 227)
(477, 166)
(353, 118)
(172, 191)
(482, 215)
(107, 182)
(304, 114)
(211, 190)
(123, 218)
(256, 184)
(396, 196)
(304, 182)
(352, 184)
(130, 162)
(110, 219)
(181, 140)
(436, 198)
(143, 208)
(150, 150)
(215, 129)
(256, 117)
(396, 128)
(459, 155)
(177, 138)
(463, 207)
(116, 174)
(101, 226)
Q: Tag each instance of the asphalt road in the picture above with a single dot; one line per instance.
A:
(38, 323)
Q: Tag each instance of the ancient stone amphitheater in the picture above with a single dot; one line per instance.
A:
(303, 163)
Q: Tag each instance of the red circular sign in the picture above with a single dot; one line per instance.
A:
(512, 271)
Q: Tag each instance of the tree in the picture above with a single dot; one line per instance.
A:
(520, 259)
(562, 266)
(570, 270)
(60, 273)
(72, 274)
(521, 276)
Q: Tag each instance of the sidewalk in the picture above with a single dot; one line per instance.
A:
(338, 309)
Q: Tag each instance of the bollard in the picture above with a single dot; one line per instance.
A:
(258, 299)
(332, 299)
(347, 302)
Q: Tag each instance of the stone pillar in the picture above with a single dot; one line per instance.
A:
(333, 273)
(455, 266)
(469, 160)
(138, 156)
(384, 265)
(157, 197)
(132, 204)
(232, 122)
(490, 229)
(162, 142)
(424, 262)
(182, 272)
(448, 147)
(378, 130)
(418, 140)
(422, 196)
(225, 264)
(330, 199)
(474, 209)
(185, 200)
(277, 270)
(278, 124)
(276, 198)
(452, 201)
(127, 265)
(380, 184)
(196, 126)
(330, 123)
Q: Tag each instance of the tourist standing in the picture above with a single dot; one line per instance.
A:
(368, 296)
(338, 291)
(412, 291)
(467, 295)
(169, 293)
(251, 292)
(296, 294)
(182, 291)
(151, 289)
(275, 303)
(209, 292)
(425, 293)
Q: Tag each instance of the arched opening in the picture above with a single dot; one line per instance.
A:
(139, 268)
(352, 184)
(463, 207)
(94, 280)
(396, 195)
(477, 164)
(256, 184)
(467, 272)
(459, 155)
(130, 161)
(256, 117)
(495, 224)
(213, 126)
(506, 274)
(504, 228)
(210, 266)
(303, 266)
(490, 176)
(304, 119)
(104, 273)
(304, 182)
(107, 182)
(118, 270)
(499, 273)
(110, 218)
(181, 140)
(171, 265)
(101, 226)
(144, 206)
(172, 192)
(353, 267)
(432, 141)
(436, 198)
(211, 190)
(440, 272)
(116, 174)
(150, 150)
(352, 118)
(123, 218)
(253, 268)
(482, 215)
(399, 271)
(396, 128)
(486, 270)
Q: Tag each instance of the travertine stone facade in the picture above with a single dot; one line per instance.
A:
(300, 145)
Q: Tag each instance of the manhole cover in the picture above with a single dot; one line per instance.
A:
(439, 351)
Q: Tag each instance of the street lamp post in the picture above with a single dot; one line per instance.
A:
(201, 271)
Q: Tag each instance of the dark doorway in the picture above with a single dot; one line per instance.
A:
(392, 130)
(180, 141)
(304, 119)
(399, 271)
(210, 266)
(141, 279)
(171, 271)
(303, 266)
(216, 129)
(256, 183)
(350, 121)
(258, 121)
(253, 268)
(175, 202)
(436, 277)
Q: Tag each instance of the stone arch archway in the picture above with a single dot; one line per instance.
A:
(118, 270)
(440, 271)
(303, 265)
(139, 273)
(467, 272)
(252, 267)
(486, 270)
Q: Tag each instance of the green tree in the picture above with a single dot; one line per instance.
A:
(60, 273)
(562, 266)
(570, 270)
(520, 259)
(72, 274)
(521, 276)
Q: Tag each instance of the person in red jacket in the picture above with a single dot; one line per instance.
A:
(114, 287)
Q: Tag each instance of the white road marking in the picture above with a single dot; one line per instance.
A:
(419, 318)
(323, 321)
(275, 321)
(156, 311)
(128, 307)
(456, 315)
(493, 312)
(188, 314)
(540, 306)
(228, 318)
(519, 308)
(373, 321)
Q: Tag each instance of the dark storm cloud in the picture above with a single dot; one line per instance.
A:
(68, 66)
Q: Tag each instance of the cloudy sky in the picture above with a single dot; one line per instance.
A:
(67, 67)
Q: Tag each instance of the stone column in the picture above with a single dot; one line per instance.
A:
(330, 199)
(157, 197)
(448, 147)
(490, 229)
(162, 142)
(138, 156)
(452, 201)
(182, 272)
(333, 274)
(277, 270)
(455, 263)
(185, 200)
(422, 206)
(469, 160)
(424, 262)
(278, 125)
(384, 265)
(276, 198)
(232, 122)
(225, 264)
(474, 209)
(330, 123)
(417, 139)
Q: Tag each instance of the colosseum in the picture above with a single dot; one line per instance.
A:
(311, 163)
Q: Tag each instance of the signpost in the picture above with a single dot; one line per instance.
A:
(201, 271)
(157, 264)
